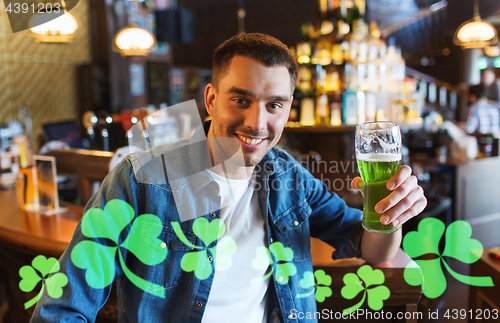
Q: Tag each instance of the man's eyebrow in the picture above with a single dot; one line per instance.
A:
(237, 90)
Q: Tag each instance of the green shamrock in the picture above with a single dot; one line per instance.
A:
(281, 256)
(321, 283)
(203, 260)
(142, 240)
(45, 267)
(458, 244)
(354, 285)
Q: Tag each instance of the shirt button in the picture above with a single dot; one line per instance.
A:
(272, 240)
(199, 305)
(291, 316)
(213, 215)
(163, 245)
(296, 223)
(280, 279)
(210, 258)
(264, 198)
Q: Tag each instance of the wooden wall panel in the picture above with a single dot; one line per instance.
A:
(216, 21)
(41, 76)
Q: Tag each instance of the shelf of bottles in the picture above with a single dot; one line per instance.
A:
(348, 74)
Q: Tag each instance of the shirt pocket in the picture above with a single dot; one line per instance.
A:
(167, 273)
(293, 225)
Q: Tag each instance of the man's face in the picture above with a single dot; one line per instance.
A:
(251, 105)
(471, 98)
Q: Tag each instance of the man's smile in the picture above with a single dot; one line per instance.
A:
(251, 143)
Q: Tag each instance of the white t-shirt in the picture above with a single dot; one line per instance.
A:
(239, 292)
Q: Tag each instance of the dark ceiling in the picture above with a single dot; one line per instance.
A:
(216, 21)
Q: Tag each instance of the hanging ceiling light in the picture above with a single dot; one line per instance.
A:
(475, 33)
(59, 29)
(492, 51)
(134, 41)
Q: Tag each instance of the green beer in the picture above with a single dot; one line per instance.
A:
(375, 171)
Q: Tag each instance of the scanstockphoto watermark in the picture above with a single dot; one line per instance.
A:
(336, 175)
(331, 166)
(360, 314)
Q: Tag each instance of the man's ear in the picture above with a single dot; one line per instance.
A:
(210, 94)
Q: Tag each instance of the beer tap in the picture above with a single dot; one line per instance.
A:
(24, 114)
(127, 124)
(104, 120)
(89, 121)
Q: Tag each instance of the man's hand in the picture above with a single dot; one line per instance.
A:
(405, 201)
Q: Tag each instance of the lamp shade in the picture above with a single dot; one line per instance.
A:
(134, 41)
(475, 33)
(492, 51)
(62, 28)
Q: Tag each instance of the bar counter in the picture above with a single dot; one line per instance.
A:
(34, 233)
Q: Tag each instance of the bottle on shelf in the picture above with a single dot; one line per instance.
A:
(350, 75)
(350, 108)
(307, 112)
(371, 106)
(361, 106)
(26, 187)
(322, 111)
(335, 109)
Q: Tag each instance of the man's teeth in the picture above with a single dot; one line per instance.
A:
(250, 141)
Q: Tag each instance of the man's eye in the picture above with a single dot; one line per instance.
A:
(274, 106)
(240, 101)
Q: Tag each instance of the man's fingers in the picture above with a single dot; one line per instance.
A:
(408, 206)
(399, 178)
(356, 183)
(415, 209)
(397, 195)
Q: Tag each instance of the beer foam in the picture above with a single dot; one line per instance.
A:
(379, 157)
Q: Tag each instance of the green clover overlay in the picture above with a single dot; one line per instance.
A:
(321, 283)
(202, 261)
(142, 240)
(277, 255)
(354, 285)
(45, 267)
(458, 245)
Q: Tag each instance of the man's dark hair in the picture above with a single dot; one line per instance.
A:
(263, 48)
(478, 90)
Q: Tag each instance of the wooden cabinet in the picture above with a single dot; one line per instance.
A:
(476, 198)
(485, 301)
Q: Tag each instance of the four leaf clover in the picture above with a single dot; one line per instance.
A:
(354, 285)
(200, 261)
(106, 226)
(30, 278)
(321, 283)
(279, 256)
(458, 245)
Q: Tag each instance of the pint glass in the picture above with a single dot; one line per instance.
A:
(378, 154)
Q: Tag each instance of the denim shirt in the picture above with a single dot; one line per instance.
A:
(294, 204)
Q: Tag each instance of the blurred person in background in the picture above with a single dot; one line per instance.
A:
(491, 86)
(483, 117)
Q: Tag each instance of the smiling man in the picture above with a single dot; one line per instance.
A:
(251, 93)
(243, 261)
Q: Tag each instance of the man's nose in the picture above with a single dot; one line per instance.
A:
(256, 117)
